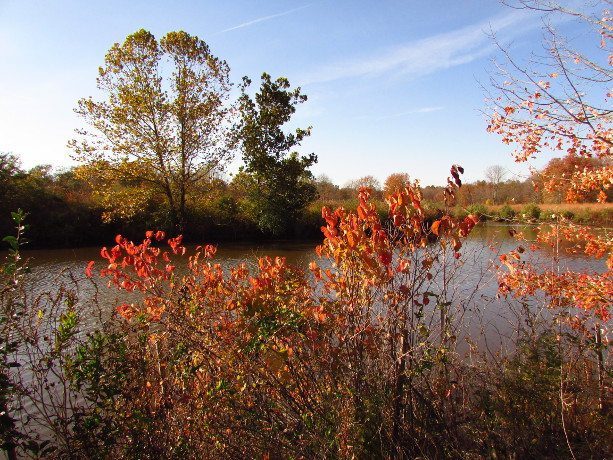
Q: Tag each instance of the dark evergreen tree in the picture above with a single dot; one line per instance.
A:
(277, 181)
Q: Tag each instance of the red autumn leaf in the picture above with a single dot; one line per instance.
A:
(385, 258)
(312, 335)
(457, 244)
(127, 311)
(174, 245)
(88, 270)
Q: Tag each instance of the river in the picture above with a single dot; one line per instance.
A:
(475, 285)
(491, 319)
(47, 263)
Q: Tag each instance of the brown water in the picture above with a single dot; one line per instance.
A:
(483, 246)
(473, 290)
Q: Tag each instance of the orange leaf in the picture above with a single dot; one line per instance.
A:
(352, 239)
(435, 226)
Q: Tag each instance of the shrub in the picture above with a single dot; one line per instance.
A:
(460, 213)
(531, 211)
(281, 366)
(506, 212)
(479, 210)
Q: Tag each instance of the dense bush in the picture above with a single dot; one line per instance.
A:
(506, 212)
(531, 211)
(358, 358)
(478, 210)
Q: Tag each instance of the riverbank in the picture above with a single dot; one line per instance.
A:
(85, 231)
(593, 214)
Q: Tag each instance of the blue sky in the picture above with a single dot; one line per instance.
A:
(393, 85)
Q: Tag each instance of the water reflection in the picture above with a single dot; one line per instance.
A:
(483, 247)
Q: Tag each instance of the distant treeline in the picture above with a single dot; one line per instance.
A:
(65, 212)
(548, 186)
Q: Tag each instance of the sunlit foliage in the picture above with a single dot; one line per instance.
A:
(163, 126)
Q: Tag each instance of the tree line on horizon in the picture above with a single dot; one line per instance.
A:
(64, 209)
(549, 185)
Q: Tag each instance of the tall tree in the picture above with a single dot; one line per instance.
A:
(495, 175)
(277, 180)
(560, 101)
(395, 182)
(366, 181)
(9, 167)
(557, 177)
(162, 128)
(326, 189)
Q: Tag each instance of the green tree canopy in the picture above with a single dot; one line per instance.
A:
(277, 181)
(163, 126)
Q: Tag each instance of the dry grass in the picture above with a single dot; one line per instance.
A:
(595, 214)
(572, 207)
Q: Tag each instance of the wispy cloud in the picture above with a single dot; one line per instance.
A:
(265, 18)
(422, 110)
(427, 55)
(405, 113)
